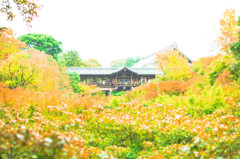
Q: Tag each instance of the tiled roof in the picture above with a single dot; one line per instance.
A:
(150, 60)
(91, 70)
(109, 71)
(146, 71)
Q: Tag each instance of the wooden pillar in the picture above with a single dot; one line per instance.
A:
(87, 80)
(131, 80)
(105, 80)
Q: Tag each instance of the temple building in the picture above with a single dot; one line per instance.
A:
(115, 79)
(123, 78)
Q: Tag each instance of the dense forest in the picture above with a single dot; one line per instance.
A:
(193, 111)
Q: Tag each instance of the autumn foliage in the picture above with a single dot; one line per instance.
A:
(174, 65)
(28, 9)
(9, 44)
(154, 89)
(228, 29)
(193, 111)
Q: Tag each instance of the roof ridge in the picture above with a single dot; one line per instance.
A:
(110, 70)
(150, 60)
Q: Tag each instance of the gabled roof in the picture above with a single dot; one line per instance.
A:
(122, 68)
(110, 71)
(150, 60)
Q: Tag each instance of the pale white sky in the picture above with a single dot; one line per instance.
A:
(113, 29)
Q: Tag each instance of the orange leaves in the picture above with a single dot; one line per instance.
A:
(152, 90)
(228, 30)
(204, 62)
(51, 77)
(55, 100)
(9, 44)
(224, 78)
(168, 87)
(5, 95)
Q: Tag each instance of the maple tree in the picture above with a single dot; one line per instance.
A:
(28, 9)
(9, 44)
(17, 70)
(34, 69)
(174, 65)
(228, 30)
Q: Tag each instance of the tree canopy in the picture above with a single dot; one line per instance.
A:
(129, 62)
(92, 63)
(174, 65)
(9, 44)
(228, 30)
(43, 42)
(235, 46)
(72, 59)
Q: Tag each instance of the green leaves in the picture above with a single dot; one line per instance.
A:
(70, 59)
(43, 42)
(74, 82)
(128, 62)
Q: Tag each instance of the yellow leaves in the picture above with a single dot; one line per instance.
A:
(17, 70)
(9, 44)
(228, 30)
(33, 69)
(174, 65)
(52, 78)
(222, 22)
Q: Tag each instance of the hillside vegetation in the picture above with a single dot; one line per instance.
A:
(191, 112)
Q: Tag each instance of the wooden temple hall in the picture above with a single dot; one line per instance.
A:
(115, 79)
